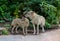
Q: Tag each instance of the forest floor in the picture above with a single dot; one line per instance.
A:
(51, 35)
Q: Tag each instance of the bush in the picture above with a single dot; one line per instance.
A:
(49, 12)
(5, 32)
(50, 9)
(7, 26)
(47, 25)
(2, 21)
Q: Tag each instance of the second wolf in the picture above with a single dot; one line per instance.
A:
(23, 23)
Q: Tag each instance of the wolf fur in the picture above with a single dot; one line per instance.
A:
(23, 23)
(36, 20)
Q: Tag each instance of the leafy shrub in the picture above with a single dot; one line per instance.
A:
(47, 25)
(49, 12)
(5, 32)
(50, 9)
(2, 21)
(7, 26)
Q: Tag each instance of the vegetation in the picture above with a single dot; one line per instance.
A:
(7, 26)
(5, 32)
(50, 9)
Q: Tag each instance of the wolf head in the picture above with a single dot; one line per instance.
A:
(30, 14)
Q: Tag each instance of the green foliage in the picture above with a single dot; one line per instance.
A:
(7, 26)
(50, 12)
(48, 25)
(5, 32)
(50, 9)
(2, 21)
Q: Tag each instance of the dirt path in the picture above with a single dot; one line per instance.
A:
(53, 35)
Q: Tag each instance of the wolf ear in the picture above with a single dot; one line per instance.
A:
(32, 12)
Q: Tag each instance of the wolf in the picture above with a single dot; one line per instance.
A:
(36, 20)
(23, 23)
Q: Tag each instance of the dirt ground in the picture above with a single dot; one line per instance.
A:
(52, 35)
(49, 35)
